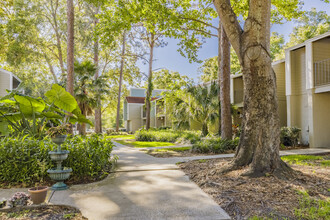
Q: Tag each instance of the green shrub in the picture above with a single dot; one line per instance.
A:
(26, 160)
(290, 136)
(168, 135)
(215, 145)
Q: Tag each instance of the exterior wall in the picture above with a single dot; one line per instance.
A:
(321, 120)
(321, 49)
(5, 83)
(297, 96)
(134, 118)
(279, 70)
(125, 111)
(238, 90)
(137, 92)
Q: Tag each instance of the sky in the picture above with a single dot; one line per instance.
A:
(168, 57)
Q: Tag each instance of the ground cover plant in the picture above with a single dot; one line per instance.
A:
(168, 135)
(25, 160)
(43, 212)
(215, 145)
(122, 137)
(303, 195)
(142, 144)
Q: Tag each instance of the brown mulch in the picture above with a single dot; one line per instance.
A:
(188, 153)
(243, 197)
(42, 212)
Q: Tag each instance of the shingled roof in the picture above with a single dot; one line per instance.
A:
(138, 100)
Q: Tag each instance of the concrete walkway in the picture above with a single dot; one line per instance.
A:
(143, 187)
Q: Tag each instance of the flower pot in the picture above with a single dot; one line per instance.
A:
(38, 194)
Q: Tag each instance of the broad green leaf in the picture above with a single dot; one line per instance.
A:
(61, 98)
(13, 117)
(29, 105)
(51, 115)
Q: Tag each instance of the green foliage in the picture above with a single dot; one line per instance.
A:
(215, 145)
(143, 144)
(28, 115)
(310, 208)
(310, 24)
(167, 136)
(176, 149)
(26, 160)
(290, 136)
(89, 156)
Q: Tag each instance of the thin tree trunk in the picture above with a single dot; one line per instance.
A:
(120, 80)
(70, 45)
(219, 77)
(51, 69)
(149, 90)
(260, 136)
(98, 113)
(224, 70)
(205, 129)
(82, 127)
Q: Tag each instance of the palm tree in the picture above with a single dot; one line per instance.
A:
(83, 90)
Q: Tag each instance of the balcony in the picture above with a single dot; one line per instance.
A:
(322, 73)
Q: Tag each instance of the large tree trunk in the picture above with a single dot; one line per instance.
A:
(224, 70)
(260, 136)
(70, 45)
(98, 113)
(120, 80)
(149, 90)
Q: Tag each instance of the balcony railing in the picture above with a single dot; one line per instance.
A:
(322, 72)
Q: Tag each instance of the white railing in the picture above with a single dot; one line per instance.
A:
(322, 72)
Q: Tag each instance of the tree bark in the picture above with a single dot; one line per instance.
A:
(224, 70)
(82, 127)
(51, 69)
(98, 113)
(70, 45)
(120, 80)
(58, 38)
(149, 90)
(260, 136)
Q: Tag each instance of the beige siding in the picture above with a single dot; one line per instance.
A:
(298, 71)
(279, 70)
(4, 83)
(134, 116)
(321, 119)
(238, 89)
(321, 50)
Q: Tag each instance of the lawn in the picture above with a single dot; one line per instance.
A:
(143, 144)
(308, 160)
(121, 137)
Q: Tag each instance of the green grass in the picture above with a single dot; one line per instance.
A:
(142, 144)
(122, 137)
(309, 160)
(310, 208)
(177, 149)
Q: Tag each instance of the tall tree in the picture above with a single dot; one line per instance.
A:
(259, 140)
(224, 83)
(70, 47)
(122, 60)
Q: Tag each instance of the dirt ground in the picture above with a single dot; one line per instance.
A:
(44, 212)
(244, 197)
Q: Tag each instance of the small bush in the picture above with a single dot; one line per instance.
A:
(215, 145)
(26, 160)
(290, 136)
(168, 135)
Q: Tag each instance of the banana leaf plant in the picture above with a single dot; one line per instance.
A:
(23, 114)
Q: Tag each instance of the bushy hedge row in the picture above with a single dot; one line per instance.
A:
(215, 145)
(168, 135)
(26, 160)
(290, 136)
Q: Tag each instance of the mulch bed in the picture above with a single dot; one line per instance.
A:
(243, 197)
(188, 153)
(42, 212)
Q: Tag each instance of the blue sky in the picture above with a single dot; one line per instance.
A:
(168, 57)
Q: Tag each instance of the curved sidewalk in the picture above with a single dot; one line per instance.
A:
(143, 187)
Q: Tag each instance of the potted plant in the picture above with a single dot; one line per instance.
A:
(38, 193)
